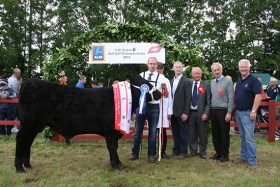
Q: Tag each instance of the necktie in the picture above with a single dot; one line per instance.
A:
(217, 80)
(194, 95)
(150, 77)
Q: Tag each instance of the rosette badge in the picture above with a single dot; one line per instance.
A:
(144, 88)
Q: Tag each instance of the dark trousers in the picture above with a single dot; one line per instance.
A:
(220, 132)
(9, 114)
(180, 136)
(163, 140)
(197, 133)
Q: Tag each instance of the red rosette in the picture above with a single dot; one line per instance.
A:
(220, 92)
(201, 90)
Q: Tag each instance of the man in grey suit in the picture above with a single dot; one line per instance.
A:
(180, 87)
(199, 113)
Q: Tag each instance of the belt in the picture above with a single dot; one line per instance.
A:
(194, 110)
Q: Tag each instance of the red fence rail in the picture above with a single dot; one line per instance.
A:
(272, 125)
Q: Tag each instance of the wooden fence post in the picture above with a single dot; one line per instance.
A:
(272, 121)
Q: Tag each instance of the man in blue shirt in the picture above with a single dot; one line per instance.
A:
(81, 82)
(7, 110)
(248, 99)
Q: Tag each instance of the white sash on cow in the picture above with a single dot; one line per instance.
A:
(123, 106)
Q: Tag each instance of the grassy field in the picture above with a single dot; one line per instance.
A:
(86, 163)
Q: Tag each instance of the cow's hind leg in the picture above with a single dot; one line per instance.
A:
(112, 145)
(26, 154)
(24, 141)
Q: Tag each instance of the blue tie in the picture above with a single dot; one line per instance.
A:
(194, 95)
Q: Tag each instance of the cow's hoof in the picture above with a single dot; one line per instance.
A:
(28, 166)
(117, 167)
(21, 170)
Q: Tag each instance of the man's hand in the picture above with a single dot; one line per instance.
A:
(228, 117)
(204, 117)
(184, 117)
(169, 117)
(253, 116)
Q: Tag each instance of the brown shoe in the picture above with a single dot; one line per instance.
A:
(164, 155)
(151, 159)
(252, 166)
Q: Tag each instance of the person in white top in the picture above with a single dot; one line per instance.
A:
(165, 112)
(14, 80)
(14, 83)
(151, 114)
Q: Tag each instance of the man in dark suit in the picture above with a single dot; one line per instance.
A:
(199, 113)
(181, 107)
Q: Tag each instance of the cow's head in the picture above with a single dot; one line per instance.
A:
(136, 83)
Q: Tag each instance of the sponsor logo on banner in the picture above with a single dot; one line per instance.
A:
(154, 49)
(98, 53)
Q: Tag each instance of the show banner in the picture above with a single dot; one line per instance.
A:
(125, 53)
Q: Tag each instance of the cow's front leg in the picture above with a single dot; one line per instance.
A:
(112, 145)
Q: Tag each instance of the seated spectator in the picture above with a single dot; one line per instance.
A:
(7, 110)
(272, 89)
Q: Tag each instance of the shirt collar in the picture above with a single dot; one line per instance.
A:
(179, 77)
(198, 82)
(220, 78)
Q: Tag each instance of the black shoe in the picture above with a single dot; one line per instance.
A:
(182, 156)
(224, 159)
(203, 156)
(133, 157)
(151, 159)
(193, 155)
(164, 155)
(216, 157)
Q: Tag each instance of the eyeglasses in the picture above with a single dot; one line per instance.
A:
(3, 84)
(62, 75)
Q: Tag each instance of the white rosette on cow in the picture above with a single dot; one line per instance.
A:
(123, 106)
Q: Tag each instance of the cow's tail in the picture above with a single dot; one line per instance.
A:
(22, 88)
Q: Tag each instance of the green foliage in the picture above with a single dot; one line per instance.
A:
(47, 134)
(74, 56)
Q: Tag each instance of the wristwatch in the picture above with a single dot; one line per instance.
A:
(253, 111)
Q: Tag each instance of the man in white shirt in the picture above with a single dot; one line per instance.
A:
(14, 83)
(181, 108)
(151, 114)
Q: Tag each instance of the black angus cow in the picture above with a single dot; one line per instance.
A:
(69, 112)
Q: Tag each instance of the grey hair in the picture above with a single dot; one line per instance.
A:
(217, 63)
(244, 60)
(198, 68)
(177, 62)
(16, 70)
(273, 79)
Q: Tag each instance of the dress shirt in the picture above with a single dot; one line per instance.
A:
(161, 79)
(175, 83)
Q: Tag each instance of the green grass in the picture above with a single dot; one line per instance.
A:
(86, 163)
